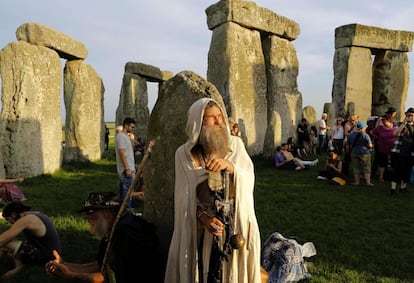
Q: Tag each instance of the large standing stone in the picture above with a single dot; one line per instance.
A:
(84, 125)
(240, 76)
(167, 127)
(390, 82)
(41, 35)
(353, 81)
(309, 113)
(282, 68)
(133, 102)
(273, 135)
(31, 132)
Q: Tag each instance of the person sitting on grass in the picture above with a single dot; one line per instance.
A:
(39, 231)
(333, 167)
(134, 255)
(284, 159)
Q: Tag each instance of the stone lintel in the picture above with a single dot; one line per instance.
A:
(150, 73)
(249, 15)
(373, 37)
(41, 35)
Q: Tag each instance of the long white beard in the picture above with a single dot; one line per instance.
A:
(215, 140)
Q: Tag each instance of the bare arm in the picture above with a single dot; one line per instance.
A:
(9, 181)
(31, 222)
(86, 273)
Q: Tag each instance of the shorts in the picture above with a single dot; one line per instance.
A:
(361, 164)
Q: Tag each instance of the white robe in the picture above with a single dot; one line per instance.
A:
(244, 264)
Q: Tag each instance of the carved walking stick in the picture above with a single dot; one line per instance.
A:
(125, 200)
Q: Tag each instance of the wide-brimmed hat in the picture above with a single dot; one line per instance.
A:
(101, 200)
(409, 110)
(390, 110)
(361, 125)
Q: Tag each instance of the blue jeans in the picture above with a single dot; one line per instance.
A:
(124, 184)
(322, 143)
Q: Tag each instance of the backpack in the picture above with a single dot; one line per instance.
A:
(282, 258)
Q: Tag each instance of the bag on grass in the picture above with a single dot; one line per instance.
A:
(282, 258)
(11, 192)
(338, 181)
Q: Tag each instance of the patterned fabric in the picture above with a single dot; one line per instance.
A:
(283, 259)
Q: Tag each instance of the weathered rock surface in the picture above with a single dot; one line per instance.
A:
(83, 96)
(373, 37)
(240, 76)
(150, 73)
(353, 81)
(251, 16)
(41, 35)
(167, 127)
(390, 82)
(282, 67)
(31, 131)
(133, 102)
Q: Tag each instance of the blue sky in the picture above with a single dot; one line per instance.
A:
(173, 35)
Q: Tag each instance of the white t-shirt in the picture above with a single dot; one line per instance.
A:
(122, 141)
(322, 127)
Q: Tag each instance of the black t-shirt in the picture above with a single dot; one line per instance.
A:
(134, 255)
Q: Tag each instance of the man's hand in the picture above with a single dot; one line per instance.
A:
(57, 267)
(216, 164)
(212, 224)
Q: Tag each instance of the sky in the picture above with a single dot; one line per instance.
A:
(173, 35)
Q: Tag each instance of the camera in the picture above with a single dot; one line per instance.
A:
(409, 119)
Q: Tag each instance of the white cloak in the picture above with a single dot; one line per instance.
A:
(244, 264)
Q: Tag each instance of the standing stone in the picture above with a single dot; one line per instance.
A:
(240, 76)
(353, 80)
(309, 113)
(390, 82)
(273, 135)
(282, 67)
(31, 132)
(133, 102)
(167, 127)
(329, 108)
(2, 172)
(84, 127)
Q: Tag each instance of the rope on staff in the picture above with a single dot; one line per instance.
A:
(125, 200)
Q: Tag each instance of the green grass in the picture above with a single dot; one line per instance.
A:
(361, 234)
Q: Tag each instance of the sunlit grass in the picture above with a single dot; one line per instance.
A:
(360, 234)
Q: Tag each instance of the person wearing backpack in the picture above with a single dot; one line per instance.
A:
(359, 144)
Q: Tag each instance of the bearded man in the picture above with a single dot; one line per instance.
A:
(134, 255)
(200, 250)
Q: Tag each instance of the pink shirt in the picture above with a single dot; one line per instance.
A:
(385, 139)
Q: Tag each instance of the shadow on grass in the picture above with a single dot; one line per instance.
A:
(361, 234)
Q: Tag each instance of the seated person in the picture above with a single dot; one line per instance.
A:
(40, 238)
(282, 163)
(283, 156)
(333, 168)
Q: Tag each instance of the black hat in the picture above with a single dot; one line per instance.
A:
(410, 110)
(390, 110)
(101, 200)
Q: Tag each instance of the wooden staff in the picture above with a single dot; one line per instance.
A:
(124, 202)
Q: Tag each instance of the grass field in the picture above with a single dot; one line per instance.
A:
(361, 234)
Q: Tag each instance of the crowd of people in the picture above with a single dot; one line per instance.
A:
(359, 152)
(216, 236)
